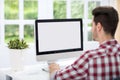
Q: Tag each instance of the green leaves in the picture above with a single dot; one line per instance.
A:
(17, 44)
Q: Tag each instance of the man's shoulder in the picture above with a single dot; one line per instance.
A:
(98, 52)
(94, 53)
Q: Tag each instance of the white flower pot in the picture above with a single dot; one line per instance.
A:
(16, 59)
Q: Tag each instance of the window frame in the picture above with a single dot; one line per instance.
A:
(43, 14)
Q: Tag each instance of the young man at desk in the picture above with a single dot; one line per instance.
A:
(102, 63)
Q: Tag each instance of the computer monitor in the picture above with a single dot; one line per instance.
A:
(58, 38)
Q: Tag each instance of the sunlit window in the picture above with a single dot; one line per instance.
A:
(11, 9)
(18, 16)
(11, 32)
(59, 9)
(29, 33)
(30, 9)
(15, 16)
(77, 9)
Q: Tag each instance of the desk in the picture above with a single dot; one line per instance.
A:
(33, 72)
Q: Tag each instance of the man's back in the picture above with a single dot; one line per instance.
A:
(104, 62)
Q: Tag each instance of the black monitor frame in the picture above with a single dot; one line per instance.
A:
(56, 51)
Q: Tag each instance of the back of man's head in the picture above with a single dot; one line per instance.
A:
(108, 17)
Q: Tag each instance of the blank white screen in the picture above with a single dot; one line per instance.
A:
(59, 35)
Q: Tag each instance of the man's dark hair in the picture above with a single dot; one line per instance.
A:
(108, 17)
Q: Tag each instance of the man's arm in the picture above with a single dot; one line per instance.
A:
(77, 70)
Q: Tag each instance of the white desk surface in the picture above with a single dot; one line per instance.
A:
(34, 72)
(33, 69)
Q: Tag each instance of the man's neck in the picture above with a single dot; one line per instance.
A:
(105, 38)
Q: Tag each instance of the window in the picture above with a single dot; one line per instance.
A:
(17, 16)
(77, 9)
(59, 9)
(29, 33)
(11, 10)
(11, 32)
(30, 9)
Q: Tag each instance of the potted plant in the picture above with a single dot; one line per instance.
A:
(17, 49)
(17, 44)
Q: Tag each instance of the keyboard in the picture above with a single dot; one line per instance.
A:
(62, 63)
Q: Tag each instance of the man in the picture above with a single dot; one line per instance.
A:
(102, 63)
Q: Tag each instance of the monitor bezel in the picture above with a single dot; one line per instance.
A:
(57, 51)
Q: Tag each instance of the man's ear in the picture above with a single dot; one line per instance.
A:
(99, 27)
